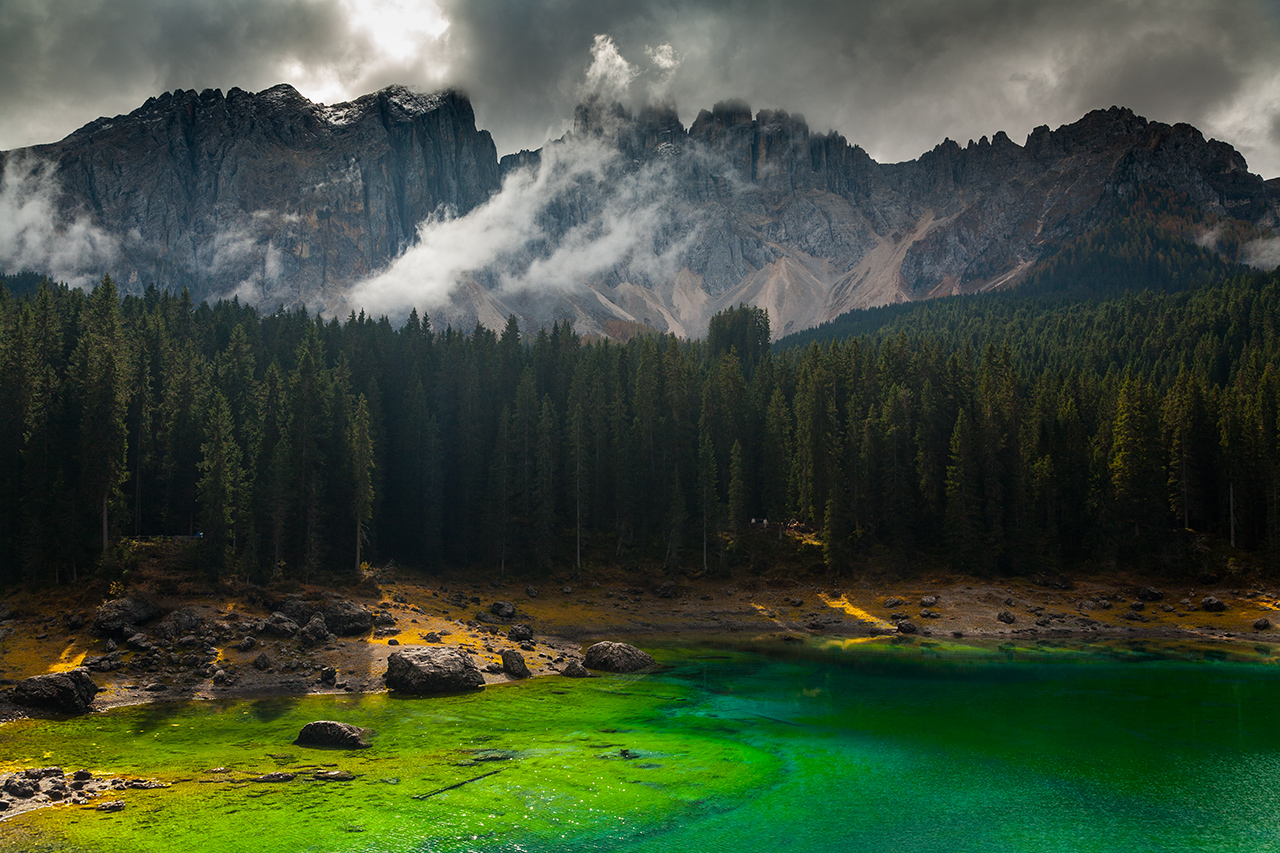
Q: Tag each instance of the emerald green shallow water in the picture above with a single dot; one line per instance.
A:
(857, 748)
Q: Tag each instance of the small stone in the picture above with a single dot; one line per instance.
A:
(110, 806)
(262, 662)
(574, 669)
(503, 609)
(275, 777)
(1006, 617)
(906, 626)
(393, 642)
(929, 601)
(1212, 604)
(1261, 624)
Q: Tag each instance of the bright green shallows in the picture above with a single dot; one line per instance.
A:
(918, 748)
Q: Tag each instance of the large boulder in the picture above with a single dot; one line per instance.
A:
(120, 616)
(327, 733)
(179, 623)
(617, 657)
(513, 664)
(316, 632)
(345, 618)
(427, 669)
(279, 625)
(65, 692)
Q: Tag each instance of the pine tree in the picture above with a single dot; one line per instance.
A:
(222, 486)
(101, 365)
(360, 445)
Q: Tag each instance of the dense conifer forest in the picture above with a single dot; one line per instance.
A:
(1001, 434)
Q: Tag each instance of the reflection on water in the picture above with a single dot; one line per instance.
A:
(733, 746)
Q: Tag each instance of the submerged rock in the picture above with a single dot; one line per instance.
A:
(328, 733)
(617, 657)
(421, 670)
(66, 692)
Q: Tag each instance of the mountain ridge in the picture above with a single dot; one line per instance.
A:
(276, 199)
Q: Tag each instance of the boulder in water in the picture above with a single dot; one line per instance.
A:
(331, 734)
(617, 657)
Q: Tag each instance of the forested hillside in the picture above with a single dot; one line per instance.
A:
(1001, 434)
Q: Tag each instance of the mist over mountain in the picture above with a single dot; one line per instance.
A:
(397, 201)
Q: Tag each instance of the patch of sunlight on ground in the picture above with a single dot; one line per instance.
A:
(842, 603)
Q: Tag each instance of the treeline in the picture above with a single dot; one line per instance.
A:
(1004, 436)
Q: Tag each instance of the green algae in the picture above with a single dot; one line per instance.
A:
(755, 746)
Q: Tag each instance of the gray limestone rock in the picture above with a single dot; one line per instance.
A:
(119, 617)
(422, 670)
(513, 664)
(328, 733)
(617, 657)
(65, 692)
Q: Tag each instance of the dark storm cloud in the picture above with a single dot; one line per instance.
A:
(895, 76)
(65, 62)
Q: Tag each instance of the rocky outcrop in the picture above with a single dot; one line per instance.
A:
(120, 617)
(328, 733)
(63, 692)
(342, 617)
(315, 632)
(617, 657)
(425, 670)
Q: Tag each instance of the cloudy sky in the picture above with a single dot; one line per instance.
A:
(895, 76)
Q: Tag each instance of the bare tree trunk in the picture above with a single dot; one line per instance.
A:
(104, 528)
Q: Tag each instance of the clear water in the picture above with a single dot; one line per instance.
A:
(851, 748)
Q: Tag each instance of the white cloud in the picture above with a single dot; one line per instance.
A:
(33, 236)
(609, 76)
(630, 230)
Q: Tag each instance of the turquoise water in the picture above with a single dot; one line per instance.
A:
(864, 747)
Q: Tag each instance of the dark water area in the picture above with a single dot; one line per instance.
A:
(744, 747)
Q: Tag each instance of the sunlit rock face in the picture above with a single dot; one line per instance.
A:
(630, 220)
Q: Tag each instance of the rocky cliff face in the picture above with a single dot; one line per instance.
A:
(268, 195)
(276, 199)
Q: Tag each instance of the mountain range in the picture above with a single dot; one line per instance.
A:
(396, 200)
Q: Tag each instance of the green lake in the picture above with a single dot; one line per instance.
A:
(730, 747)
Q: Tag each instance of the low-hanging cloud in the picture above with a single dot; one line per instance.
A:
(519, 243)
(35, 236)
